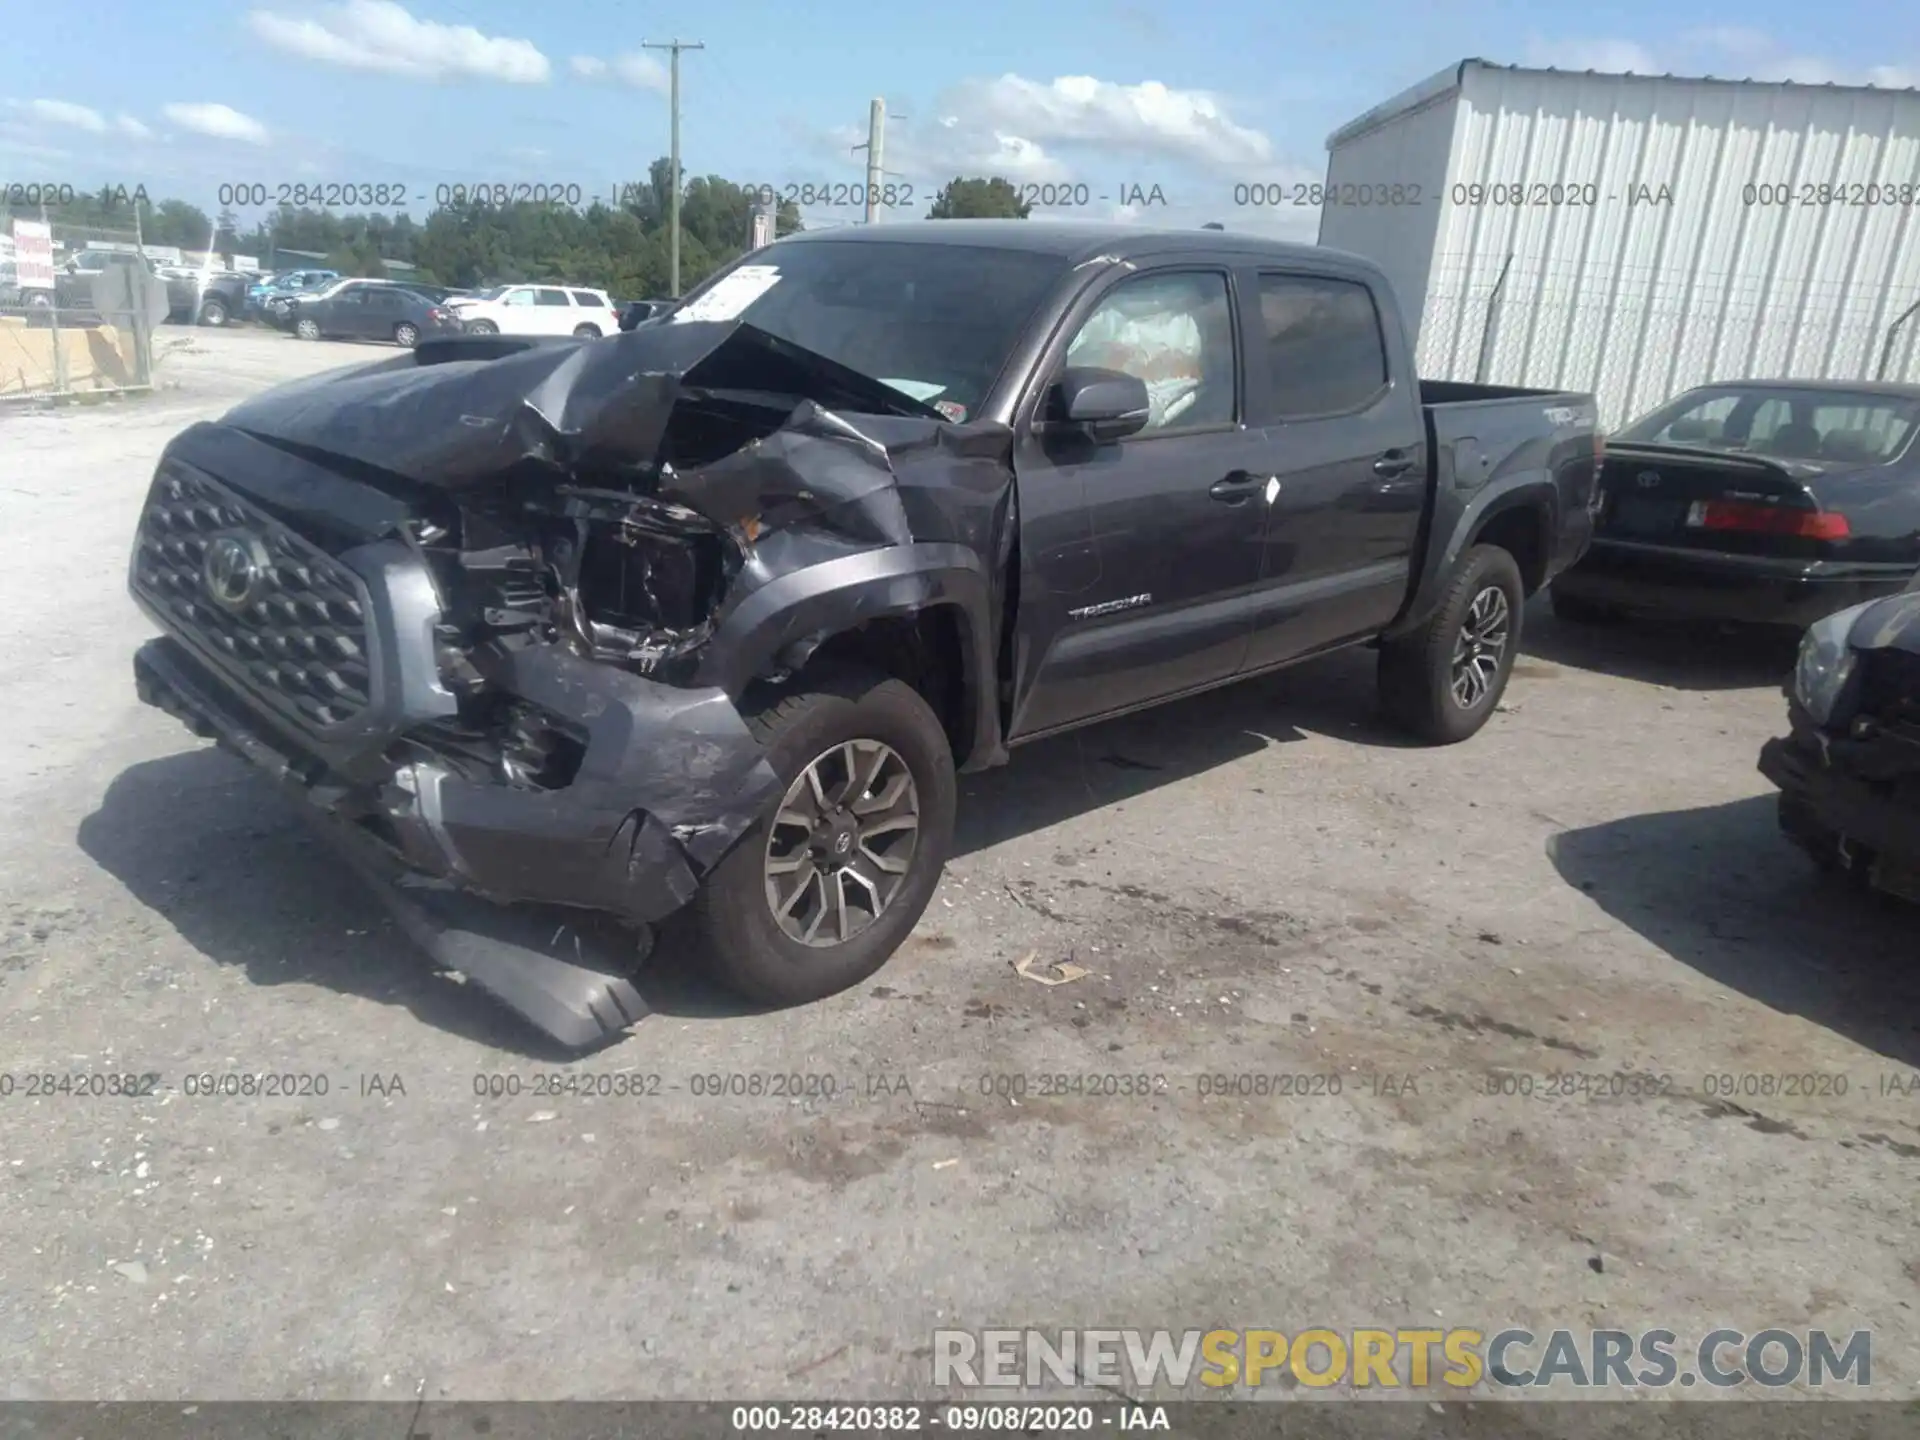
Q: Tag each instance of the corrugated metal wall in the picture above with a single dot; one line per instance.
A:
(1639, 261)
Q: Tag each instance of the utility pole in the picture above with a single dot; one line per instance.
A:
(876, 141)
(675, 46)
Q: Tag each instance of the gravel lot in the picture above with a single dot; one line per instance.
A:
(1262, 882)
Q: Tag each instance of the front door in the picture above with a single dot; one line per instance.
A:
(1138, 558)
(1349, 447)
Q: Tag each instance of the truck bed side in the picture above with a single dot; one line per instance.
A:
(1517, 463)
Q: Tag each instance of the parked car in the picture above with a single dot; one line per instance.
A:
(638, 312)
(1773, 502)
(372, 310)
(537, 310)
(721, 640)
(191, 297)
(1849, 770)
(264, 295)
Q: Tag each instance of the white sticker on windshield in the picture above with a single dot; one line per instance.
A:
(727, 299)
(914, 389)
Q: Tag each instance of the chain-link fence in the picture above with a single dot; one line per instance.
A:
(77, 311)
(1634, 336)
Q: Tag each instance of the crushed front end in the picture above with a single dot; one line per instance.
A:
(462, 606)
(1849, 771)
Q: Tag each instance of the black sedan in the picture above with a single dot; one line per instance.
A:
(638, 312)
(1772, 502)
(372, 310)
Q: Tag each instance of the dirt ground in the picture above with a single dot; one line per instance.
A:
(1263, 882)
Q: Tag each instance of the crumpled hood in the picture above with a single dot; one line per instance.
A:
(1889, 624)
(781, 434)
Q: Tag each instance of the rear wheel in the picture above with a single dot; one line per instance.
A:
(820, 894)
(307, 329)
(213, 311)
(586, 332)
(1578, 611)
(1442, 682)
(406, 334)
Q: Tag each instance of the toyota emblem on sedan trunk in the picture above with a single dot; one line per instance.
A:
(230, 571)
(1647, 479)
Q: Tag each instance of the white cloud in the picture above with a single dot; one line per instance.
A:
(64, 113)
(221, 122)
(137, 129)
(1731, 52)
(383, 36)
(1145, 120)
(636, 68)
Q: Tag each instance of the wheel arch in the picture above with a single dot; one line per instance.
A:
(921, 613)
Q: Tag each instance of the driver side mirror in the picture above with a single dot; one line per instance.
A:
(1103, 405)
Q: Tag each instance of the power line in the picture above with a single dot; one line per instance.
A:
(673, 157)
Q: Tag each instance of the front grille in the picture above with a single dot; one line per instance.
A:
(298, 639)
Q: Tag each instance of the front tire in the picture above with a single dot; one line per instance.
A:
(482, 327)
(819, 894)
(307, 329)
(1442, 682)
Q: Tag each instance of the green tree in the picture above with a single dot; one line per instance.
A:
(980, 198)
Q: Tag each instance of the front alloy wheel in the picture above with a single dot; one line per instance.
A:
(842, 842)
(1481, 647)
(308, 329)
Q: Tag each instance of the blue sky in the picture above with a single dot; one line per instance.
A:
(1190, 98)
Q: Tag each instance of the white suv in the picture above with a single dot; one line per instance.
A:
(537, 310)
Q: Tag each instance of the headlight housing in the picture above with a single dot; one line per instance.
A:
(1823, 676)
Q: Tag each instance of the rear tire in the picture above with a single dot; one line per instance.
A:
(751, 950)
(1576, 610)
(586, 332)
(1442, 683)
(406, 335)
(213, 312)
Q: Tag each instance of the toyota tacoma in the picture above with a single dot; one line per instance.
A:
(701, 620)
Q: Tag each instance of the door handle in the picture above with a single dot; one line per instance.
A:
(1392, 463)
(1240, 485)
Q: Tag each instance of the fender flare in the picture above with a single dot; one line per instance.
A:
(821, 601)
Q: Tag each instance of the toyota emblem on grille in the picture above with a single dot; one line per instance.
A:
(1647, 479)
(231, 570)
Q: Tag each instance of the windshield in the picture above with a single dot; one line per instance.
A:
(492, 292)
(1818, 428)
(934, 321)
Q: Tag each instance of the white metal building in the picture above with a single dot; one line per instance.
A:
(1635, 235)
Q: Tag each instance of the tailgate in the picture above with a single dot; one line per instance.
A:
(1727, 504)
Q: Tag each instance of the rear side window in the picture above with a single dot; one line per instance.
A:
(550, 297)
(587, 297)
(1324, 349)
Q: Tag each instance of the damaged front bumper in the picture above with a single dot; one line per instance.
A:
(474, 871)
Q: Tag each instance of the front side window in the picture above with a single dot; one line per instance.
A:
(517, 297)
(1174, 333)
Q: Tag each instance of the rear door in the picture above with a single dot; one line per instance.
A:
(595, 310)
(554, 314)
(1138, 558)
(385, 309)
(1348, 455)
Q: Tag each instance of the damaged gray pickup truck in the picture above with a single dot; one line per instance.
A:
(701, 620)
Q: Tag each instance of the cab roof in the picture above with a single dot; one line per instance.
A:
(1077, 240)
